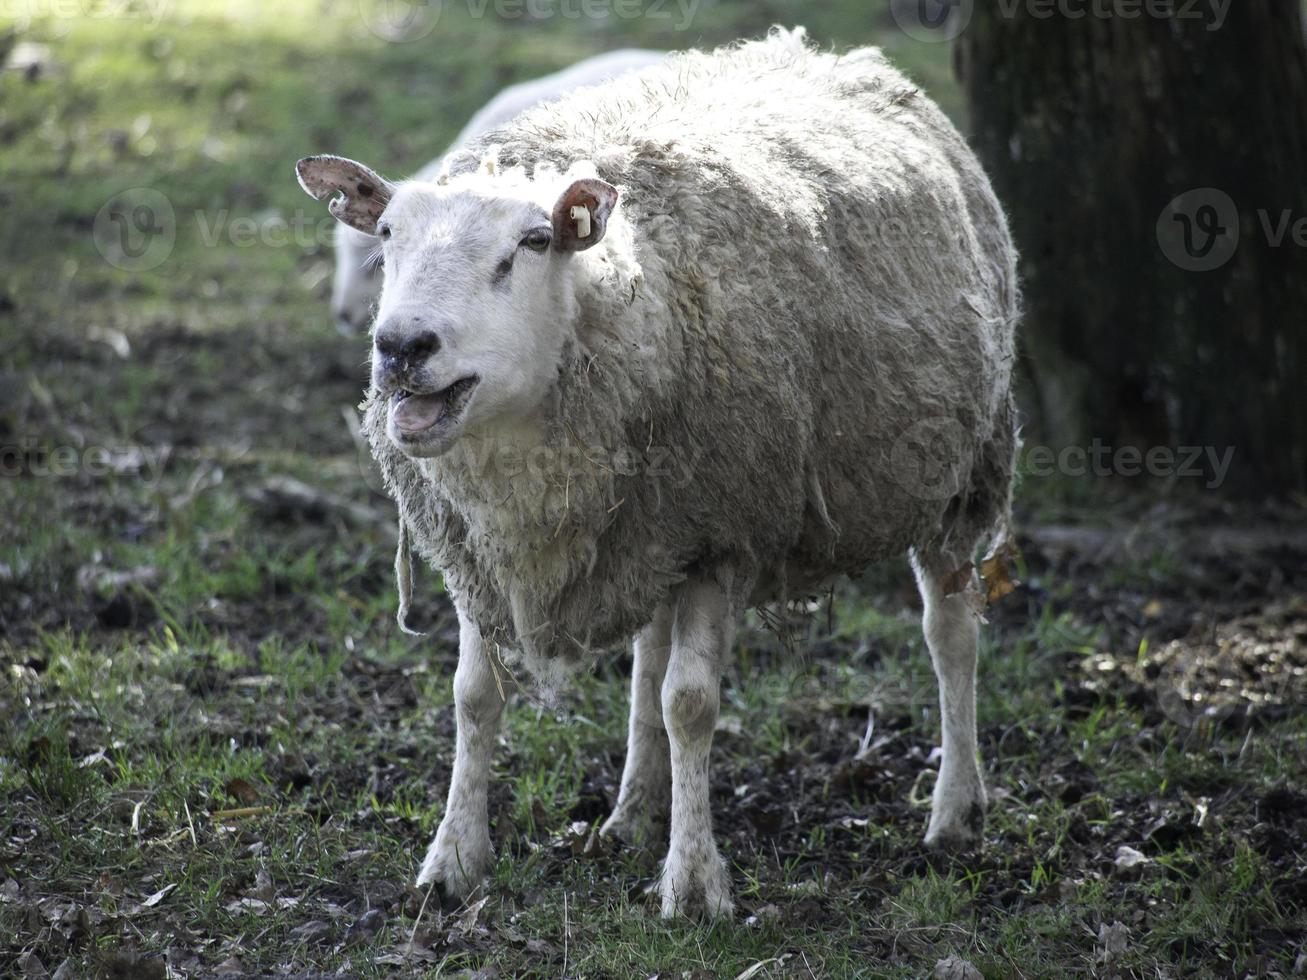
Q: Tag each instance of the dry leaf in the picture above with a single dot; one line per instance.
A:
(467, 921)
(310, 931)
(1129, 863)
(1113, 942)
(242, 792)
(365, 927)
(750, 972)
(956, 968)
(998, 570)
(157, 897)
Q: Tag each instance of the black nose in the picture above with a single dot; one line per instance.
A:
(404, 348)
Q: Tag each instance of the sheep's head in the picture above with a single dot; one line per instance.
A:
(477, 301)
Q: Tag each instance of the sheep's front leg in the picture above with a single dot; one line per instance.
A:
(694, 880)
(460, 855)
(957, 814)
(640, 816)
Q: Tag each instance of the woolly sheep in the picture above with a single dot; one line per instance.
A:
(786, 354)
(357, 281)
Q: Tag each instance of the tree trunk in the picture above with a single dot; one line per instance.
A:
(1148, 322)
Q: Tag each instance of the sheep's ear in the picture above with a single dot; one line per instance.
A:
(581, 213)
(361, 195)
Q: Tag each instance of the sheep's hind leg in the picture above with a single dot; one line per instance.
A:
(694, 880)
(640, 816)
(957, 814)
(460, 855)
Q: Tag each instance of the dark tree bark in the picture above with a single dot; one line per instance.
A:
(1090, 127)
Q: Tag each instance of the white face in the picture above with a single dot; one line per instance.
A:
(475, 311)
(477, 304)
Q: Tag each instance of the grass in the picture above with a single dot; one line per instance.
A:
(221, 750)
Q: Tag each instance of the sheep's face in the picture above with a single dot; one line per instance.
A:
(477, 302)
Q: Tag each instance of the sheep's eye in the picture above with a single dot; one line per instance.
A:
(537, 240)
(383, 231)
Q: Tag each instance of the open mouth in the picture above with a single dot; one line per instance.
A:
(414, 413)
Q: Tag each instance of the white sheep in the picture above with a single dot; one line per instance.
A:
(808, 281)
(357, 281)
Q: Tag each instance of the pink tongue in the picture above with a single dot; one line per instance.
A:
(417, 412)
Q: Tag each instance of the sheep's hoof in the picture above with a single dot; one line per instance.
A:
(455, 865)
(698, 890)
(957, 830)
(634, 826)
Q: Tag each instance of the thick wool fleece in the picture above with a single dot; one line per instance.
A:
(808, 281)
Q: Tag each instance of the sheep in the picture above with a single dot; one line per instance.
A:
(357, 280)
(806, 299)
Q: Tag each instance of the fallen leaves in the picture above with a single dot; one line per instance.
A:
(582, 839)
(1113, 942)
(997, 575)
(311, 931)
(956, 968)
(241, 791)
(1129, 863)
(248, 904)
(998, 570)
(156, 898)
(366, 926)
